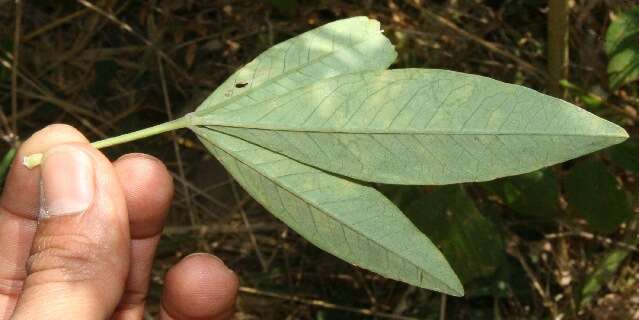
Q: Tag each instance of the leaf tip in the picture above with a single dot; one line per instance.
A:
(613, 132)
(457, 289)
(444, 279)
(619, 133)
(624, 134)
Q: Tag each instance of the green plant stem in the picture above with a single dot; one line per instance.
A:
(6, 163)
(34, 160)
(144, 133)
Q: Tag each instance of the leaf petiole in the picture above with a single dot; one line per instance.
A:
(34, 160)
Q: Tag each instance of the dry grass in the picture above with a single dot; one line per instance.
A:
(112, 66)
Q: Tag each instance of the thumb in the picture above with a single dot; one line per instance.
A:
(80, 254)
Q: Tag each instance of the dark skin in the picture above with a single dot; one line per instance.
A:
(96, 263)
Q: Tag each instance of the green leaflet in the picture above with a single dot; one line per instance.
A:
(534, 194)
(416, 126)
(622, 46)
(626, 155)
(622, 30)
(472, 243)
(604, 272)
(351, 221)
(344, 46)
(624, 66)
(594, 193)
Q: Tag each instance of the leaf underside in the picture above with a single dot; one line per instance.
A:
(417, 126)
(321, 103)
(349, 220)
(345, 46)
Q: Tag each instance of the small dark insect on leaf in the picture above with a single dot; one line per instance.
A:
(241, 84)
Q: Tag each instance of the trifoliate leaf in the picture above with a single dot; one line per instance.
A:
(349, 220)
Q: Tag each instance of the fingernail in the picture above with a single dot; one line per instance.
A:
(204, 254)
(137, 155)
(67, 182)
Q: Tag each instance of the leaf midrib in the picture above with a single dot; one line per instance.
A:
(316, 206)
(211, 125)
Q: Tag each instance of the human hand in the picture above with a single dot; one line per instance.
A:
(88, 254)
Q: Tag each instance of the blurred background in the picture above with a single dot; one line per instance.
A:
(561, 243)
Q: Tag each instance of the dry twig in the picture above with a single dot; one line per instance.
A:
(324, 304)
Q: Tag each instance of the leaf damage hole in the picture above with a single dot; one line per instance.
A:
(241, 84)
